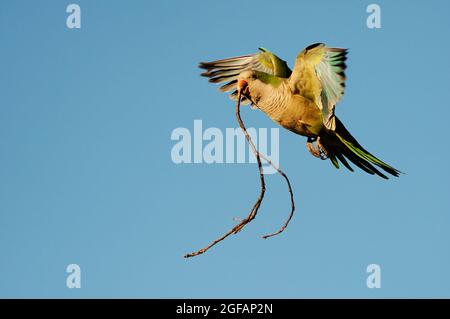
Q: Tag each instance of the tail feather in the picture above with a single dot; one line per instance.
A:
(344, 161)
(342, 145)
(363, 164)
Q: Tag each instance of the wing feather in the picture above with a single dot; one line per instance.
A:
(228, 70)
(319, 75)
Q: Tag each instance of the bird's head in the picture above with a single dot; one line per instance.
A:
(245, 80)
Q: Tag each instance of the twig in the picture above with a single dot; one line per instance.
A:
(291, 214)
(257, 204)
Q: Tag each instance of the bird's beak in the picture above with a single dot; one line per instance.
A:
(242, 86)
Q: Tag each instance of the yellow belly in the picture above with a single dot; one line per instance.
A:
(302, 116)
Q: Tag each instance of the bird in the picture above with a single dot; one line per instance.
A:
(301, 100)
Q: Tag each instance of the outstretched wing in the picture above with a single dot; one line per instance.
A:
(319, 75)
(227, 70)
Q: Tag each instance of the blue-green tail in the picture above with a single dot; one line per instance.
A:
(341, 145)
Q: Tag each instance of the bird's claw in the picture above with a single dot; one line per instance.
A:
(323, 151)
(315, 152)
(319, 151)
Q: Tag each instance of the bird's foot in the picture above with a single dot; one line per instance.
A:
(319, 151)
(323, 151)
(309, 145)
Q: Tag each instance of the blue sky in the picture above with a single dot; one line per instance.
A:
(86, 174)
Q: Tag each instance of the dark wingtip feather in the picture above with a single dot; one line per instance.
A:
(312, 46)
(204, 65)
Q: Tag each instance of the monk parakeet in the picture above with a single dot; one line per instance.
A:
(302, 100)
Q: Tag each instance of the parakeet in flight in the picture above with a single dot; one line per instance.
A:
(302, 100)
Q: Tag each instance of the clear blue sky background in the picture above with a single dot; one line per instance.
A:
(87, 178)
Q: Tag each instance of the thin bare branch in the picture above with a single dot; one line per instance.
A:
(291, 194)
(257, 204)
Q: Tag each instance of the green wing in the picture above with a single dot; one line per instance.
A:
(227, 70)
(319, 75)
